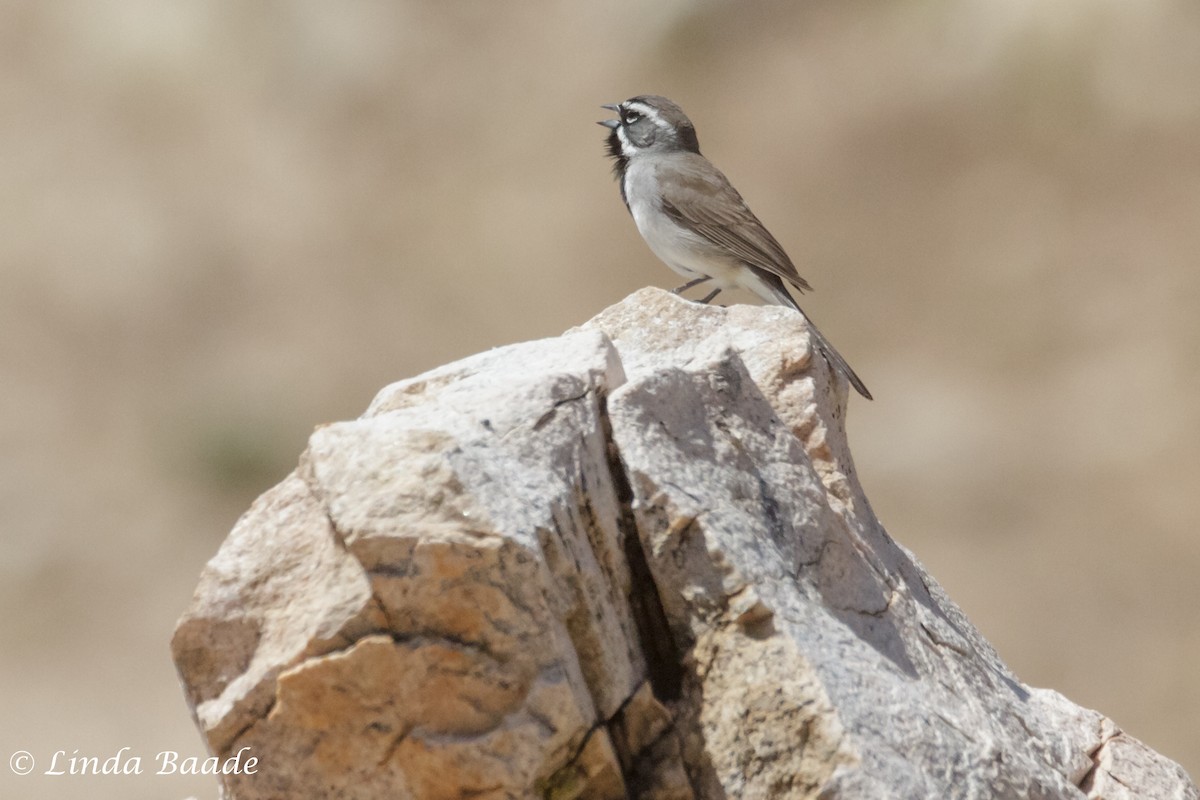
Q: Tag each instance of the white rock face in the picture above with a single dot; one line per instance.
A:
(632, 561)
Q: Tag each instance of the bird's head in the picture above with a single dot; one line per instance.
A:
(648, 124)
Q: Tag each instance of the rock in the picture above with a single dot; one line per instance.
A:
(632, 561)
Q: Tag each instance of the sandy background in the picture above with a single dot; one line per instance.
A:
(227, 222)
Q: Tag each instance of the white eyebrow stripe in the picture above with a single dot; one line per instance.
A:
(647, 111)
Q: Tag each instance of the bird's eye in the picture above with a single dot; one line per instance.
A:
(632, 117)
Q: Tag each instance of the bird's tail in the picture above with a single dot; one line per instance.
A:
(828, 351)
(835, 358)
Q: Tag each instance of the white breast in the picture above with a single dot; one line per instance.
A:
(680, 249)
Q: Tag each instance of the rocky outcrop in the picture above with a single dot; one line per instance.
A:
(632, 561)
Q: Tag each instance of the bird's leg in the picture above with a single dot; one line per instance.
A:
(705, 300)
(690, 284)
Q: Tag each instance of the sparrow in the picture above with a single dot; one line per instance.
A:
(693, 219)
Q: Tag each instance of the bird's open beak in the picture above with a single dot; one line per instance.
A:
(612, 124)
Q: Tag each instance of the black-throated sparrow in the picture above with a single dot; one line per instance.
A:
(693, 219)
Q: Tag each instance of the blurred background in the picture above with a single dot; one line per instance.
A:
(227, 222)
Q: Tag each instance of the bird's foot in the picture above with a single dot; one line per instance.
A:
(690, 284)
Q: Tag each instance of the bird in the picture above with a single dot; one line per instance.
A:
(693, 219)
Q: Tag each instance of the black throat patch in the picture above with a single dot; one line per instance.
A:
(620, 162)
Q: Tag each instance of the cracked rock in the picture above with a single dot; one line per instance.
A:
(631, 561)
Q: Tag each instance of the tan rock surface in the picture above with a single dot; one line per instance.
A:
(632, 561)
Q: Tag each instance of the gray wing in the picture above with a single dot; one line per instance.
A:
(701, 199)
